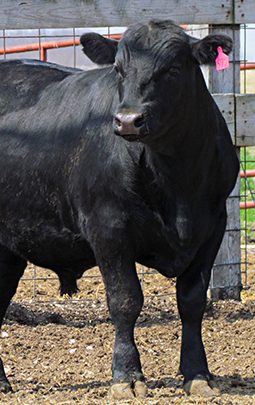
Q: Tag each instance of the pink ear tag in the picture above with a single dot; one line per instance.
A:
(222, 60)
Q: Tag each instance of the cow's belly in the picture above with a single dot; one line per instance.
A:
(73, 255)
(49, 246)
(48, 243)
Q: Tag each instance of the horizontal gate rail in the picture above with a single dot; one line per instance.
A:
(16, 14)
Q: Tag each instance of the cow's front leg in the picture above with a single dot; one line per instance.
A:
(191, 296)
(125, 301)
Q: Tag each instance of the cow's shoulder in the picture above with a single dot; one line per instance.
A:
(22, 81)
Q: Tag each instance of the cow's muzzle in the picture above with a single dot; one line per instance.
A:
(130, 125)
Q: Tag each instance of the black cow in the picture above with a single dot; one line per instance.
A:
(127, 163)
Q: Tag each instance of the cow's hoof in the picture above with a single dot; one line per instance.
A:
(125, 391)
(140, 389)
(122, 391)
(5, 387)
(201, 386)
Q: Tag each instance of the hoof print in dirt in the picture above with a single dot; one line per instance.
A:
(23, 316)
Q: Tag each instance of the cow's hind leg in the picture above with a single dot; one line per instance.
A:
(11, 269)
(125, 301)
(191, 296)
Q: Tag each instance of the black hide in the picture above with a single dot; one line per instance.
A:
(127, 163)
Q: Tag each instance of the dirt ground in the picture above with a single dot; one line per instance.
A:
(59, 352)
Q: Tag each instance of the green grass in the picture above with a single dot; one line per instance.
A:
(248, 216)
(247, 80)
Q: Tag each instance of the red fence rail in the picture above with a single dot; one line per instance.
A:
(247, 204)
(247, 173)
(44, 46)
(244, 205)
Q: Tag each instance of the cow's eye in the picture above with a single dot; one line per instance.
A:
(174, 71)
(120, 71)
(166, 73)
(116, 68)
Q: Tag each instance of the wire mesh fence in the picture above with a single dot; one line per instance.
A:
(247, 160)
(61, 46)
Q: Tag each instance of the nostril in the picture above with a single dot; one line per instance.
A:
(139, 121)
(117, 122)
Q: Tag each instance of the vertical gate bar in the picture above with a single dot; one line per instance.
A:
(4, 44)
(39, 42)
(34, 285)
(245, 60)
(245, 159)
(245, 217)
(74, 49)
(142, 276)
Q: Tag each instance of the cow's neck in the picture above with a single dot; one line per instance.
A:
(179, 188)
(187, 153)
(191, 132)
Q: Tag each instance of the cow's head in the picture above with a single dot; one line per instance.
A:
(159, 79)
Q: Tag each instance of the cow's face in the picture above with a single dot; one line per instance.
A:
(158, 74)
(151, 65)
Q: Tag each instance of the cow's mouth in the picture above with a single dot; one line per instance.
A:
(132, 137)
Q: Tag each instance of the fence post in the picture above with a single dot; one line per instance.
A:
(226, 275)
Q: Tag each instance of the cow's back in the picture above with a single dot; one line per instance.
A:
(22, 81)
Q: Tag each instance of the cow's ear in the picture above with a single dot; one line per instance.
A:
(205, 50)
(99, 49)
